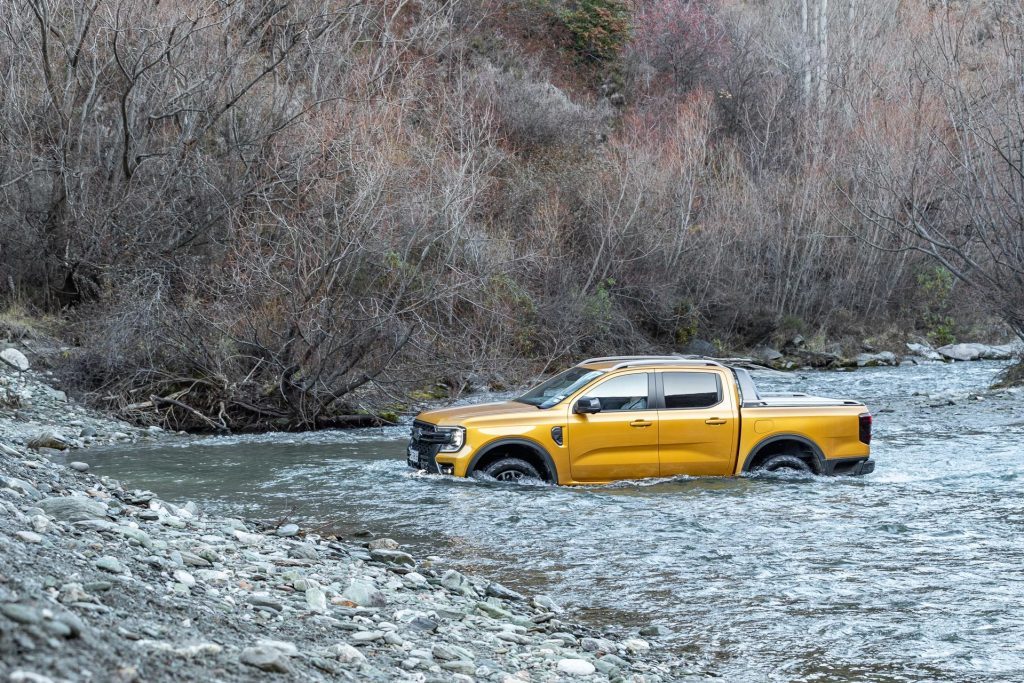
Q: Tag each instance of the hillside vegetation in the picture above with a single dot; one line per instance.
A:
(274, 214)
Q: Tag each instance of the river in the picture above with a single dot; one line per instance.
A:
(913, 573)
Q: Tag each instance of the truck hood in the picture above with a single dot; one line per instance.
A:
(460, 415)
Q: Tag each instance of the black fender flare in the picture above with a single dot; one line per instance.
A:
(540, 451)
(819, 456)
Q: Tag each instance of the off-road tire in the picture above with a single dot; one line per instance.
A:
(511, 469)
(784, 461)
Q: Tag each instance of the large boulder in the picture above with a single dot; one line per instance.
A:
(73, 509)
(766, 354)
(924, 351)
(869, 360)
(54, 440)
(964, 351)
(15, 358)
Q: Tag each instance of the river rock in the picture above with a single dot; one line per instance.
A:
(364, 594)
(247, 538)
(393, 557)
(29, 537)
(498, 591)
(21, 486)
(15, 358)
(383, 544)
(766, 354)
(23, 614)
(344, 652)
(110, 564)
(364, 637)
(266, 659)
(964, 352)
(457, 583)
(183, 577)
(869, 360)
(79, 466)
(923, 351)
(545, 602)
(73, 508)
(50, 439)
(576, 667)
(316, 599)
(288, 530)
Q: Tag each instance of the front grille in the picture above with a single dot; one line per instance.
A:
(425, 440)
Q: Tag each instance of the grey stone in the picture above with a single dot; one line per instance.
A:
(266, 659)
(110, 564)
(29, 536)
(21, 486)
(288, 530)
(15, 358)
(383, 544)
(73, 509)
(876, 359)
(364, 595)
(498, 591)
(964, 352)
(547, 603)
(654, 630)
(457, 583)
(363, 637)
(316, 599)
(303, 551)
(576, 667)
(393, 557)
(22, 614)
(49, 439)
(79, 466)
(766, 354)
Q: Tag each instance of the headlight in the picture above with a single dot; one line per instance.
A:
(456, 437)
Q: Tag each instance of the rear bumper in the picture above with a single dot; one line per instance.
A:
(849, 467)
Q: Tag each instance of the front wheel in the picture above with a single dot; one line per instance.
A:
(784, 462)
(511, 469)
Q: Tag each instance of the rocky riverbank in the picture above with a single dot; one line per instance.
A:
(102, 583)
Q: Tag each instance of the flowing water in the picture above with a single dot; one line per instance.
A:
(913, 573)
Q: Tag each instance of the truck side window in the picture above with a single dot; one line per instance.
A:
(692, 389)
(626, 392)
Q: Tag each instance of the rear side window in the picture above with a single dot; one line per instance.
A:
(692, 389)
(626, 392)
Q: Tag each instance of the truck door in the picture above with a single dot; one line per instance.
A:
(621, 441)
(698, 423)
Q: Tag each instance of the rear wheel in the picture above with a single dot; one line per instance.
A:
(511, 469)
(784, 462)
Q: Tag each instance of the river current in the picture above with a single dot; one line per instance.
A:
(912, 573)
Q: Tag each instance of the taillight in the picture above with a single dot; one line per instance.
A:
(865, 427)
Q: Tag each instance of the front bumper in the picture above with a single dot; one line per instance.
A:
(849, 467)
(423, 449)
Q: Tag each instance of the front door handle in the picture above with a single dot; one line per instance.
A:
(640, 423)
(715, 421)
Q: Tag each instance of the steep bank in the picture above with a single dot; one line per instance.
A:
(103, 583)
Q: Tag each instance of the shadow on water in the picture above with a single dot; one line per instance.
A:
(913, 573)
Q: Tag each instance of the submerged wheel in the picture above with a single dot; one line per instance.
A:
(783, 461)
(511, 469)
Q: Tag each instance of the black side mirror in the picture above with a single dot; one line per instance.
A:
(587, 406)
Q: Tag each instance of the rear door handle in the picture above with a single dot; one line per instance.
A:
(715, 421)
(640, 423)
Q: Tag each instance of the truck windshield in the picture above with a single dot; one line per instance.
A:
(555, 390)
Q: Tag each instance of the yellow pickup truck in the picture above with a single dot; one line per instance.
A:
(632, 417)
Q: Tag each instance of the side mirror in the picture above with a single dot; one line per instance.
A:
(587, 406)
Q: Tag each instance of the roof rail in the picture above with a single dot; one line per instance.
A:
(606, 359)
(632, 361)
(687, 362)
